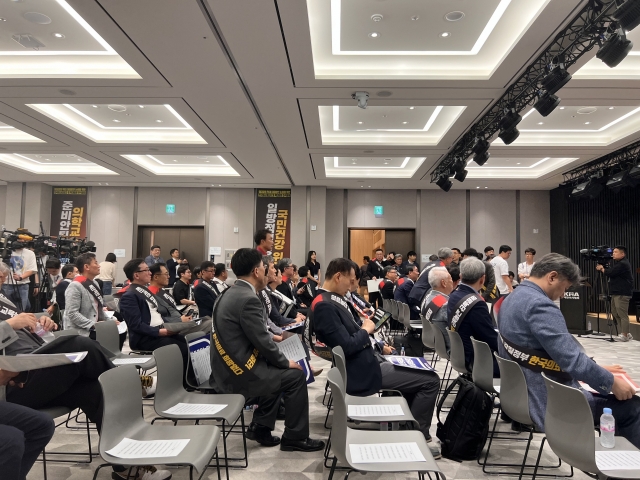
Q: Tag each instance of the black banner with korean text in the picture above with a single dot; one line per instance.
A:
(273, 212)
(69, 212)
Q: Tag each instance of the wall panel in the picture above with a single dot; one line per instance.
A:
(443, 220)
(400, 209)
(534, 215)
(335, 225)
(190, 206)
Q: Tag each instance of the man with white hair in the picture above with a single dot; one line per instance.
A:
(434, 305)
(422, 287)
(468, 313)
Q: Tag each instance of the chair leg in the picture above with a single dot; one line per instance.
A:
(226, 455)
(333, 468)
(44, 463)
(329, 405)
(95, 474)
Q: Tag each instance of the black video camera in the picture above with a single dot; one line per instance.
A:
(602, 254)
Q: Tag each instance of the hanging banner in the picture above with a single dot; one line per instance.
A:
(69, 212)
(273, 209)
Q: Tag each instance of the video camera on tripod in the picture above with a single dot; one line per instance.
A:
(601, 254)
(22, 238)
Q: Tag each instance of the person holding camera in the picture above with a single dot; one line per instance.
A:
(23, 265)
(620, 288)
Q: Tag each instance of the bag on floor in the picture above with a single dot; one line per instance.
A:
(466, 427)
(413, 346)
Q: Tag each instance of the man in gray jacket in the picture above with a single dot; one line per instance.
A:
(245, 360)
(83, 297)
(434, 305)
(534, 334)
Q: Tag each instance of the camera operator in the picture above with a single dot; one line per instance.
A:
(620, 288)
(23, 266)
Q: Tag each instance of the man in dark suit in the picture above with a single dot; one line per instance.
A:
(205, 293)
(375, 270)
(388, 284)
(473, 318)
(287, 287)
(245, 360)
(403, 289)
(421, 286)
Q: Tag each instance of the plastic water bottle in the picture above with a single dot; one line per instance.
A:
(402, 352)
(607, 429)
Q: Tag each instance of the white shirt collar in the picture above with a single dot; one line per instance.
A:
(252, 287)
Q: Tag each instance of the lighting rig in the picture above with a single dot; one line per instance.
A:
(601, 23)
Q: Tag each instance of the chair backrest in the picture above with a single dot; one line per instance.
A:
(406, 314)
(456, 356)
(400, 312)
(568, 425)
(169, 388)
(339, 425)
(341, 364)
(386, 305)
(514, 396)
(482, 371)
(122, 403)
(428, 338)
(107, 335)
(394, 309)
(206, 365)
(441, 346)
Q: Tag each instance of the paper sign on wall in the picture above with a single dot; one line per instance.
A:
(425, 257)
(215, 250)
(119, 252)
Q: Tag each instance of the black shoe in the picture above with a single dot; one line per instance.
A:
(516, 426)
(280, 415)
(306, 445)
(262, 435)
(505, 418)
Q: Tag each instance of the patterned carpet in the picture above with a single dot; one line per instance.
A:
(272, 463)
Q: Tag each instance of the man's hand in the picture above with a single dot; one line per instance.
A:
(294, 365)
(23, 320)
(300, 317)
(368, 325)
(614, 368)
(622, 389)
(300, 291)
(387, 350)
(186, 318)
(5, 376)
(36, 290)
(277, 338)
(163, 332)
(50, 309)
(48, 324)
(600, 268)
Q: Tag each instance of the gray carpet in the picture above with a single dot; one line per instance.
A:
(272, 463)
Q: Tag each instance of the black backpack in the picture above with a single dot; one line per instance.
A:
(466, 427)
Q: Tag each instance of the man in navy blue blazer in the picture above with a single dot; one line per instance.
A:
(469, 314)
(403, 289)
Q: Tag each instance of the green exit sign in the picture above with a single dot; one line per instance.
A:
(378, 210)
(171, 208)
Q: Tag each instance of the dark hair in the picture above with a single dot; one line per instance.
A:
(433, 258)
(132, 267)
(220, 269)
(530, 250)
(67, 269)
(153, 247)
(172, 250)
(245, 260)
(504, 248)
(366, 258)
(358, 274)
(554, 262)
(261, 235)
(511, 274)
(182, 269)
(392, 253)
(470, 252)
(480, 256)
(295, 267)
(84, 259)
(311, 252)
(411, 268)
(622, 248)
(411, 253)
(454, 271)
(339, 265)
(207, 264)
(488, 249)
(389, 268)
(303, 271)
(155, 269)
(111, 257)
(457, 250)
(196, 271)
(278, 269)
(53, 263)
(379, 250)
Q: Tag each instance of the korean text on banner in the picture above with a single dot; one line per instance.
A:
(69, 212)
(273, 212)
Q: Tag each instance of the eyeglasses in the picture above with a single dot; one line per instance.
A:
(142, 271)
(164, 273)
(208, 271)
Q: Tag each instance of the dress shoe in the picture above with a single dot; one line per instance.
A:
(306, 445)
(316, 372)
(262, 435)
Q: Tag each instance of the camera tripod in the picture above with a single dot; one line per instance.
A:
(602, 293)
(44, 286)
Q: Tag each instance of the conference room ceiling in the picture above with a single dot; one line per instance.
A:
(246, 93)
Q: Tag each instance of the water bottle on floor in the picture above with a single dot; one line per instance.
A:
(607, 429)
(402, 352)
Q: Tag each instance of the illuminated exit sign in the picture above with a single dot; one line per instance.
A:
(171, 208)
(378, 211)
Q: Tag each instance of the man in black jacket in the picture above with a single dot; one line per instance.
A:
(388, 283)
(375, 270)
(367, 371)
(421, 286)
(620, 288)
(205, 294)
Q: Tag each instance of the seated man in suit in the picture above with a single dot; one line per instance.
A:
(167, 306)
(204, 292)
(388, 284)
(220, 278)
(367, 371)
(468, 312)
(287, 287)
(403, 289)
(245, 360)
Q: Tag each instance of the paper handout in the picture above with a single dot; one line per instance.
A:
(386, 453)
(618, 460)
(372, 286)
(292, 348)
(416, 363)
(31, 361)
(195, 409)
(199, 350)
(375, 411)
(129, 448)
(131, 361)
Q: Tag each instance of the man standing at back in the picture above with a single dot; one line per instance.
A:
(421, 287)
(620, 288)
(245, 360)
(264, 241)
(501, 268)
(375, 270)
(154, 256)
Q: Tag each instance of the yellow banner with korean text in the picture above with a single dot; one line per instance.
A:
(273, 213)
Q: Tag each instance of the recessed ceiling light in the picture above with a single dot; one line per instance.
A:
(540, 123)
(117, 108)
(106, 184)
(414, 18)
(361, 186)
(360, 123)
(404, 123)
(384, 116)
(79, 160)
(141, 106)
(36, 17)
(454, 16)
(175, 160)
(376, 17)
(445, 34)
(369, 186)
(518, 163)
(610, 108)
(561, 108)
(374, 34)
(206, 161)
(117, 121)
(94, 106)
(48, 159)
(411, 108)
(587, 123)
(477, 187)
(58, 35)
(486, 187)
(219, 185)
(158, 121)
(3, 19)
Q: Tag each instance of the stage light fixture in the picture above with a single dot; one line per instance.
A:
(635, 172)
(510, 119)
(619, 180)
(481, 158)
(459, 168)
(589, 189)
(444, 183)
(509, 136)
(546, 104)
(480, 146)
(461, 175)
(615, 49)
(628, 15)
(557, 78)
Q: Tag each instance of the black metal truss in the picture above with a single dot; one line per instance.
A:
(587, 30)
(611, 163)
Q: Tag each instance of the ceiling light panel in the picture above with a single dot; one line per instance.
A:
(210, 165)
(629, 68)
(13, 135)
(517, 168)
(115, 123)
(350, 125)
(49, 39)
(365, 167)
(407, 48)
(53, 164)
(578, 126)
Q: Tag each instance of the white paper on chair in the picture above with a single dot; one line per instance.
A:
(122, 327)
(375, 411)
(129, 448)
(195, 409)
(372, 286)
(618, 460)
(386, 453)
(131, 361)
(292, 348)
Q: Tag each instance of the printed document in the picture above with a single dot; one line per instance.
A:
(386, 453)
(129, 448)
(375, 411)
(195, 409)
(131, 361)
(618, 460)
(292, 348)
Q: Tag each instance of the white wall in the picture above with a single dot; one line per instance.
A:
(534, 215)
(400, 209)
(13, 206)
(334, 239)
(298, 223)
(3, 204)
(190, 206)
(318, 217)
(37, 207)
